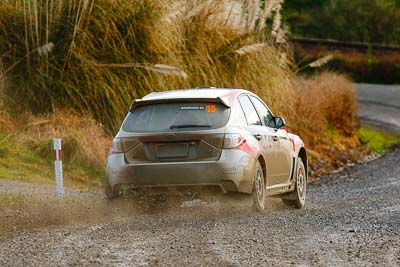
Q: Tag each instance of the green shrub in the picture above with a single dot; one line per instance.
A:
(377, 141)
(375, 21)
(372, 67)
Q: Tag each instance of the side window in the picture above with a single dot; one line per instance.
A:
(264, 112)
(237, 115)
(249, 111)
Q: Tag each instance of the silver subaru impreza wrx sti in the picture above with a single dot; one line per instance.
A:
(227, 138)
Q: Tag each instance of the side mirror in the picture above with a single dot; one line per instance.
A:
(279, 122)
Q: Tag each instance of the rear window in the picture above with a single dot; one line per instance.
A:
(171, 117)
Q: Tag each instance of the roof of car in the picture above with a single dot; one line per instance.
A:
(227, 95)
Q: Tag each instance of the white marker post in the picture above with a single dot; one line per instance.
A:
(58, 167)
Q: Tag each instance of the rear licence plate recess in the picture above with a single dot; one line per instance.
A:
(177, 150)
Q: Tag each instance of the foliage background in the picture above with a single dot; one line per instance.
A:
(369, 21)
(376, 21)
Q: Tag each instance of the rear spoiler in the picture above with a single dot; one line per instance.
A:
(139, 102)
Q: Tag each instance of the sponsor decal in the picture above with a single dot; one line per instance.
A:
(229, 170)
(211, 108)
(244, 163)
(193, 108)
(117, 172)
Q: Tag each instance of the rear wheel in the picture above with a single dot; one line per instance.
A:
(259, 192)
(300, 187)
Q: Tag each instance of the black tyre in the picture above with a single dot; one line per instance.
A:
(300, 187)
(259, 191)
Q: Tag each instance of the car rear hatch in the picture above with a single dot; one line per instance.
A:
(175, 131)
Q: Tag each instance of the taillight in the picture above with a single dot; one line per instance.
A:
(233, 140)
(116, 147)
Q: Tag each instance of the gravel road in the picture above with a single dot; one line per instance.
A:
(379, 105)
(351, 218)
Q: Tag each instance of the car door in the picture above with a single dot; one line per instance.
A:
(278, 145)
(284, 156)
(264, 135)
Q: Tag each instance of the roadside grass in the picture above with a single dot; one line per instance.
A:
(334, 153)
(377, 141)
(321, 104)
(20, 162)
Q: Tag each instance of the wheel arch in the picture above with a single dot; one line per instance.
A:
(303, 156)
(263, 167)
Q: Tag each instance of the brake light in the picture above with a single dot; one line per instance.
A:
(233, 140)
(116, 147)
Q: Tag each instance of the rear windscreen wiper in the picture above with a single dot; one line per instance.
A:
(189, 126)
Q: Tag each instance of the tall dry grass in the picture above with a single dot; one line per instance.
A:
(85, 141)
(325, 117)
(6, 126)
(324, 102)
(95, 56)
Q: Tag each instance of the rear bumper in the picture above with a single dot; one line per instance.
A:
(232, 172)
